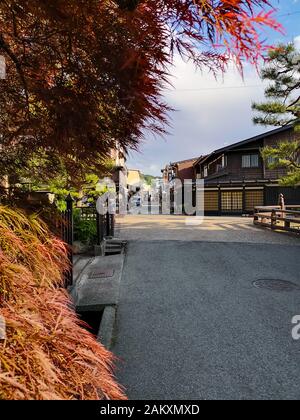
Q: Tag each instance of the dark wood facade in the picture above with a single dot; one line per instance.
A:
(237, 179)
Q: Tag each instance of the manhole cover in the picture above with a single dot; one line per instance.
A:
(276, 285)
(101, 274)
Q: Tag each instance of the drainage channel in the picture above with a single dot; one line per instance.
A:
(100, 283)
(101, 324)
(92, 320)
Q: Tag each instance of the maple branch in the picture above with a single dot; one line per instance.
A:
(14, 58)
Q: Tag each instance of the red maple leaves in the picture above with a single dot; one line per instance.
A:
(85, 74)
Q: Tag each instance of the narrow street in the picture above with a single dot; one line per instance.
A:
(191, 323)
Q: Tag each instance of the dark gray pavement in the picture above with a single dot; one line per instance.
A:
(191, 325)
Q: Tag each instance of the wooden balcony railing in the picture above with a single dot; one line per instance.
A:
(276, 218)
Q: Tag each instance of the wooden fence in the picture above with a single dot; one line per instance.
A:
(276, 218)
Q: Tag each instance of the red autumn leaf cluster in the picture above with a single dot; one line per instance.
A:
(85, 74)
(46, 354)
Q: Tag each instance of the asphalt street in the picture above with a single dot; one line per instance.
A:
(191, 324)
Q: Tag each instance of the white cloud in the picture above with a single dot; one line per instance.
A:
(297, 42)
(210, 113)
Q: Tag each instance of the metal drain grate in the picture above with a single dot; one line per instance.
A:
(103, 274)
(276, 285)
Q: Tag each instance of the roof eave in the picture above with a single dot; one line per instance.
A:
(255, 138)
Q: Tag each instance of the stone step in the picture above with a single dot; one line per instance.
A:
(115, 242)
(109, 246)
(113, 252)
(114, 246)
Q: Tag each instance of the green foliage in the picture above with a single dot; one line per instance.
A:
(286, 155)
(35, 177)
(283, 99)
(84, 230)
(282, 108)
(148, 179)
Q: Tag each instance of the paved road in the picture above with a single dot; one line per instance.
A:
(191, 325)
(214, 229)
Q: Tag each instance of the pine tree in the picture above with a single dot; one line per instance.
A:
(285, 155)
(283, 105)
(282, 108)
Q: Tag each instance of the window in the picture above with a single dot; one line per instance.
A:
(250, 161)
(254, 161)
(224, 161)
(232, 201)
(205, 171)
(246, 161)
(272, 161)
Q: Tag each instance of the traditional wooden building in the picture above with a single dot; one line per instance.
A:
(182, 170)
(237, 179)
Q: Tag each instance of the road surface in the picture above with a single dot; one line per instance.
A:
(191, 324)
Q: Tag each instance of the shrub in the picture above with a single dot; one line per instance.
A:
(85, 231)
(47, 354)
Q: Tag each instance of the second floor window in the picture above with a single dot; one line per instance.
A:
(250, 161)
(272, 161)
(224, 161)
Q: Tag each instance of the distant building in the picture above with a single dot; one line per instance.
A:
(118, 157)
(183, 169)
(134, 180)
(236, 177)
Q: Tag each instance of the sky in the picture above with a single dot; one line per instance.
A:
(211, 113)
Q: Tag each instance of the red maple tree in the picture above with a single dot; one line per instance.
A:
(85, 74)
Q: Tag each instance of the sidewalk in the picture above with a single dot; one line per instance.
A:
(98, 283)
(96, 293)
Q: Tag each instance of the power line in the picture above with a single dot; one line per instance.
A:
(216, 88)
(289, 14)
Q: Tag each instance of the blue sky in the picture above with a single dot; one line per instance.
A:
(210, 113)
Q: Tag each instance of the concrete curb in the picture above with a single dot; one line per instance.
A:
(100, 291)
(107, 326)
(101, 294)
(79, 267)
(109, 317)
